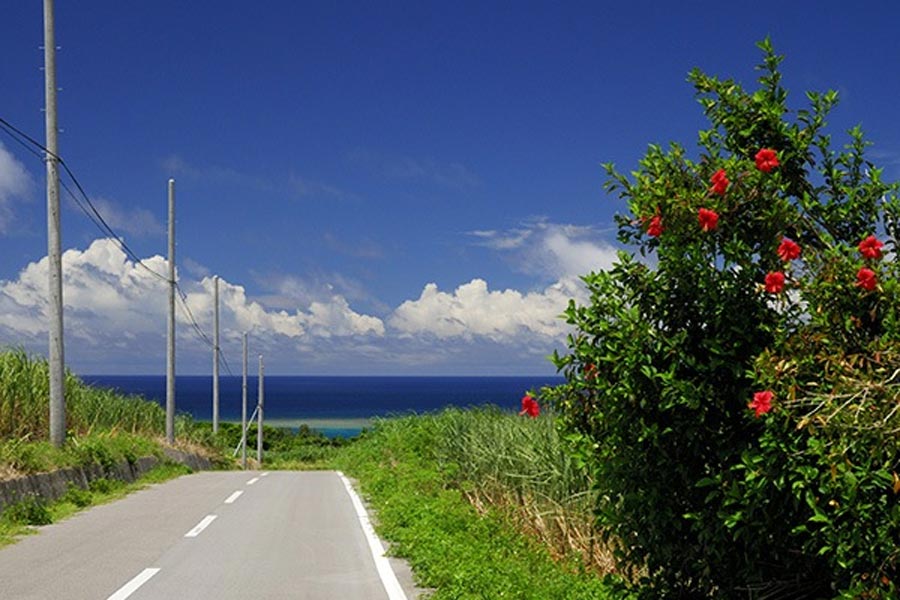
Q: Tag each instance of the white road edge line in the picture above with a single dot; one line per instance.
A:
(199, 527)
(230, 499)
(388, 577)
(132, 586)
(252, 481)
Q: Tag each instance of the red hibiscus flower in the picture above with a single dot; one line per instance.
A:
(870, 247)
(590, 372)
(766, 160)
(719, 182)
(761, 404)
(655, 228)
(866, 279)
(775, 282)
(788, 250)
(708, 219)
(530, 407)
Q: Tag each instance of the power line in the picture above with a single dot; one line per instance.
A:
(90, 210)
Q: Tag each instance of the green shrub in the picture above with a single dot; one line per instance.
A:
(703, 496)
(78, 496)
(102, 486)
(29, 511)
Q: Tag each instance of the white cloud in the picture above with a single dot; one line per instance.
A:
(15, 182)
(111, 301)
(553, 250)
(115, 320)
(135, 221)
(472, 310)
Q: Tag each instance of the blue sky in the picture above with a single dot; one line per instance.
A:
(384, 188)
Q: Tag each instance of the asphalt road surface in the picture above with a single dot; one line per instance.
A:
(211, 535)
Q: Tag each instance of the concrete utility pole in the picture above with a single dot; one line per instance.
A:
(259, 414)
(170, 338)
(215, 407)
(56, 356)
(244, 410)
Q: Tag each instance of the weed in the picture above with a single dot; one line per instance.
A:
(31, 510)
(80, 497)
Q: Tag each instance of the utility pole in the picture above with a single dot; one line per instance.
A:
(215, 407)
(244, 410)
(259, 414)
(56, 356)
(170, 338)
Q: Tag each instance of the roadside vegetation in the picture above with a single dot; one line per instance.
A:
(103, 427)
(300, 449)
(734, 380)
(729, 423)
(483, 504)
(20, 518)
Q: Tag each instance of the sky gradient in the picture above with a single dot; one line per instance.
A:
(396, 188)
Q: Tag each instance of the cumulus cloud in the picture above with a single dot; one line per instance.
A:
(115, 319)
(15, 182)
(112, 302)
(552, 250)
(473, 310)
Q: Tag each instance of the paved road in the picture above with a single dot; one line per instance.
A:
(212, 535)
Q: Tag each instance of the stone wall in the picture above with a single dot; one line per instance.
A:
(51, 486)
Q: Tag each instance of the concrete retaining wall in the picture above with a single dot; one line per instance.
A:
(53, 485)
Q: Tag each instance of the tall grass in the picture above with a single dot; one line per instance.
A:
(428, 477)
(516, 465)
(521, 465)
(24, 404)
(24, 393)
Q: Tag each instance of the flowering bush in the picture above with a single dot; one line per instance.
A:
(743, 390)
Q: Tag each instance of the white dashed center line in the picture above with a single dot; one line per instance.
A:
(200, 526)
(132, 586)
(233, 497)
(252, 481)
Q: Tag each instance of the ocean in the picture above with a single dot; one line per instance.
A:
(335, 406)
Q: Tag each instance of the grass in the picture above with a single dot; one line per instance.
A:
(484, 504)
(103, 426)
(522, 466)
(24, 390)
(421, 475)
